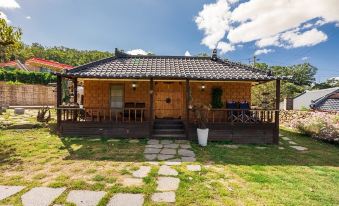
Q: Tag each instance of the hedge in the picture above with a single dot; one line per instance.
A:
(26, 77)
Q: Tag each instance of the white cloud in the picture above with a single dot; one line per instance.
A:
(9, 4)
(337, 25)
(296, 39)
(267, 22)
(3, 16)
(269, 41)
(28, 17)
(214, 21)
(305, 58)
(137, 52)
(225, 47)
(187, 54)
(261, 18)
(263, 51)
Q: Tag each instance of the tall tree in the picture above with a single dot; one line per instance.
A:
(10, 40)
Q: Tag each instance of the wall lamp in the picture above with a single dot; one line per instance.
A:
(134, 86)
(203, 87)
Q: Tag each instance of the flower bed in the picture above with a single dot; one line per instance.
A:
(319, 125)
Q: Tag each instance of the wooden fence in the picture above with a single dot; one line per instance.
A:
(26, 95)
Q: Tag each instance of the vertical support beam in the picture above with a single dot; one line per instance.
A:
(59, 101)
(151, 107)
(75, 89)
(277, 107)
(187, 108)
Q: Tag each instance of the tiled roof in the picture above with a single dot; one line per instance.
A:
(8, 64)
(310, 97)
(329, 105)
(172, 67)
(329, 102)
(48, 63)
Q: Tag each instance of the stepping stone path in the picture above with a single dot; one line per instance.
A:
(168, 183)
(169, 150)
(85, 197)
(163, 197)
(285, 138)
(167, 171)
(292, 144)
(174, 152)
(6, 191)
(130, 182)
(126, 199)
(142, 172)
(299, 148)
(42, 196)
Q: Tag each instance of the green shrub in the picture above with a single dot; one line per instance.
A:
(26, 77)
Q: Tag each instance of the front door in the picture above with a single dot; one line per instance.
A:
(168, 100)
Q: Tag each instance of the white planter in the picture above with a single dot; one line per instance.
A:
(202, 136)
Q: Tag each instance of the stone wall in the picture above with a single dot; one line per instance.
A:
(26, 95)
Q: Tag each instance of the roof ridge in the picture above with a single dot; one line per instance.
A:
(321, 99)
(121, 54)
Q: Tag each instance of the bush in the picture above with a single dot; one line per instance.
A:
(319, 125)
(26, 77)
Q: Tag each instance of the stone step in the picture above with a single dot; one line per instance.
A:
(168, 126)
(169, 131)
(169, 136)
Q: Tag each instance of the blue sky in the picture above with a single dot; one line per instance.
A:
(170, 28)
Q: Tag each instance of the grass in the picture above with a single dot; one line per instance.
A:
(243, 176)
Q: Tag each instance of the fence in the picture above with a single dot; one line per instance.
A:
(26, 95)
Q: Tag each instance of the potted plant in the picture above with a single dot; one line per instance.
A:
(201, 115)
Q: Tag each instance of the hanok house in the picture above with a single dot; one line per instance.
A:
(151, 97)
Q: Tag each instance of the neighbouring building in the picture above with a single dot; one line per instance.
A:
(323, 100)
(37, 65)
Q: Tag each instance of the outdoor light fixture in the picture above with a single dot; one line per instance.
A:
(134, 86)
(203, 87)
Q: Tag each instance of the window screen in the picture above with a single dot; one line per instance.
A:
(117, 95)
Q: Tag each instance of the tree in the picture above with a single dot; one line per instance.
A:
(329, 83)
(10, 40)
(302, 77)
(62, 54)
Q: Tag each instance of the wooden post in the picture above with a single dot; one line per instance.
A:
(277, 107)
(187, 108)
(59, 101)
(151, 101)
(75, 89)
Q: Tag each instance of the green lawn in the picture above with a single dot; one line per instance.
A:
(242, 176)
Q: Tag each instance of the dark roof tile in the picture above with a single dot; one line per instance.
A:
(181, 67)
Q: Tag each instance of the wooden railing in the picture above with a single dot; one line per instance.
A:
(240, 116)
(102, 114)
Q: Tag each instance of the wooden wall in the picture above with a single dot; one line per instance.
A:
(96, 93)
(232, 91)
